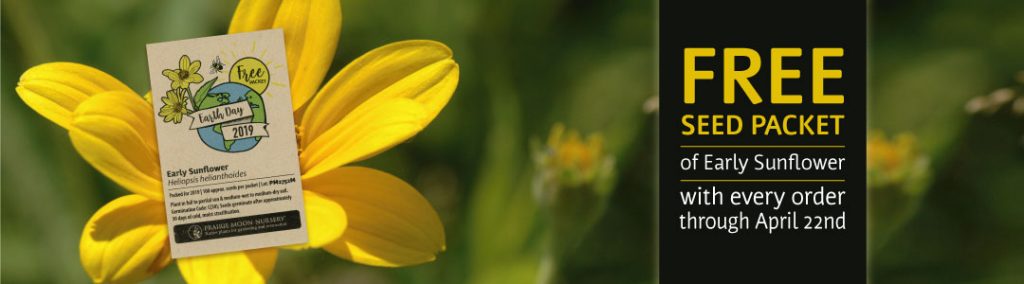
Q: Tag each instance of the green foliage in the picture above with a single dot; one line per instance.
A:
(927, 60)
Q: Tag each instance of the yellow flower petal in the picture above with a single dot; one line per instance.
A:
(194, 67)
(251, 266)
(420, 70)
(311, 30)
(370, 129)
(55, 89)
(171, 74)
(114, 132)
(194, 78)
(125, 241)
(389, 222)
(254, 15)
(184, 62)
(326, 220)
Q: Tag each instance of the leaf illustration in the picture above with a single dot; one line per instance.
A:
(201, 93)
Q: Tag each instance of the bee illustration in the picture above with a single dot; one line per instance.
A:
(217, 66)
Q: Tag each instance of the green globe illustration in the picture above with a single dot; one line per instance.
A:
(228, 93)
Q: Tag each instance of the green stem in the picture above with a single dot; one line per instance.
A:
(548, 273)
(191, 99)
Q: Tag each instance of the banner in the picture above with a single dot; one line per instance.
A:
(220, 114)
(245, 130)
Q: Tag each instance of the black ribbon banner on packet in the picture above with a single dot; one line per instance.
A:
(247, 225)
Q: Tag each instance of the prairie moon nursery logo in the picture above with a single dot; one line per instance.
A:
(228, 117)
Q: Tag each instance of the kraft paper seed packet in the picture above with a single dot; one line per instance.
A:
(226, 138)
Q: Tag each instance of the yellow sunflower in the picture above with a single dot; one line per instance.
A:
(185, 74)
(174, 107)
(360, 214)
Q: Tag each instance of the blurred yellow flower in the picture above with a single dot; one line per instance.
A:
(893, 161)
(575, 161)
(382, 98)
(174, 106)
(898, 176)
(572, 181)
(185, 74)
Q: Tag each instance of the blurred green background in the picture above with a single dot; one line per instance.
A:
(525, 65)
(960, 217)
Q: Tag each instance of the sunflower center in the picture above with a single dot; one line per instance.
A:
(183, 74)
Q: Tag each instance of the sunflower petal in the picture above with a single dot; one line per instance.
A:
(311, 30)
(325, 218)
(194, 78)
(55, 89)
(194, 67)
(254, 15)
(184, 62)
(114, 132)
(389, 222)
(251, 266)
(421, 70)
(125, 241)
(170, 74)
(370, 129)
